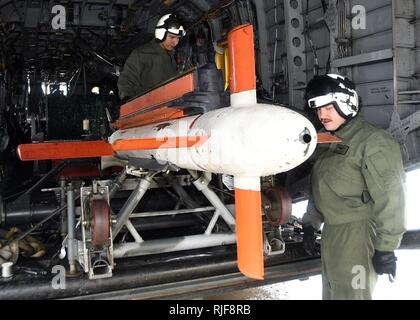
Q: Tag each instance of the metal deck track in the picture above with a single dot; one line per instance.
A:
(201, 287)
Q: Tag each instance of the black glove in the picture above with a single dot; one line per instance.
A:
(385, 262)
(309, 238)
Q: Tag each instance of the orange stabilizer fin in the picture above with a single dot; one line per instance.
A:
(64, 150)
(241, 59)
(92, 149)
(327, 138)
(158, 143)
(249, 238)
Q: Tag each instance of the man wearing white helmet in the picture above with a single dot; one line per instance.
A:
(357, 192)
(153, 63)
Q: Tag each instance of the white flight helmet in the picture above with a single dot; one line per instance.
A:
(333, 89)
(168, 23)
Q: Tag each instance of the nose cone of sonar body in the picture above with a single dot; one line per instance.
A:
(254, 141)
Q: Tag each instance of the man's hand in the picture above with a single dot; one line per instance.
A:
(385, 262)
(309, 238)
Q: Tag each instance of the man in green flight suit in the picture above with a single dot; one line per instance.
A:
(357, 191)
(154, 62)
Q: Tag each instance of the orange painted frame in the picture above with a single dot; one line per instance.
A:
(160, 96)
(158, 115)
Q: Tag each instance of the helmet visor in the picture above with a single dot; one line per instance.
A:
(178, 31)
(321, 101)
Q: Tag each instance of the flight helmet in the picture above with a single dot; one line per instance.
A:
(333, 89)
(168, 24)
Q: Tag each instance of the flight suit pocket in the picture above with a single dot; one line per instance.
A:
(382, 171)
(349, 190)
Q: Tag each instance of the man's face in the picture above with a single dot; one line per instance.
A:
(329, 117)
(170, 42)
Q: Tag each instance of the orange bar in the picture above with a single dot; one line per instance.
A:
(154, 143)
(64, 150)
(249, 238)
(157, 115)
(327, 138)
(91, 149)
(241, 59)
(162, 95)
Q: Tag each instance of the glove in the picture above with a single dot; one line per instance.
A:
(309, 238)
(385, 262)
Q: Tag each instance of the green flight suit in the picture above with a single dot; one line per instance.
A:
(358, 192)
(146, 67)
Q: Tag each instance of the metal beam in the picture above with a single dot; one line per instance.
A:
(169, 212)
(134, 249)
(369, 57)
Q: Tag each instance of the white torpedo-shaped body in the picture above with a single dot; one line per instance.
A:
(253, 141)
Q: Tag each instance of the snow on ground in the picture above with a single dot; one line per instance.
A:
(405, 286)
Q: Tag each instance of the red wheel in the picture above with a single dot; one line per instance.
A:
(100, 222)
(277, 205)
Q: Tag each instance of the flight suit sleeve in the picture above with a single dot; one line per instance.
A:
(383, 171)
(130, 77)
(312, 216)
